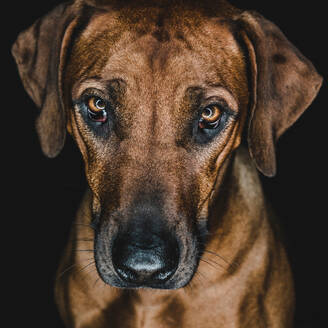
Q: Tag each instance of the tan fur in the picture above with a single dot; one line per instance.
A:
(152, 61)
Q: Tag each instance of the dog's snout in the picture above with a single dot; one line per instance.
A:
(147, 262)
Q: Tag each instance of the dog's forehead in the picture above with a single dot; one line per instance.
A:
(191, 49)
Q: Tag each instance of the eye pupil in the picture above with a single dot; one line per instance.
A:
(210, 117)
(208, 113)
(97, 109)
(100, 104)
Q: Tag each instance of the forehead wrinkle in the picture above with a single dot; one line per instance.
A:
(89, 56)
(214, 57)
(95, 51)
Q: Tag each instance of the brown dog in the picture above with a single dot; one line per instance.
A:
(173, 230)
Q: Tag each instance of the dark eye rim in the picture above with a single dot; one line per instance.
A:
(82, 104)
(203, 135)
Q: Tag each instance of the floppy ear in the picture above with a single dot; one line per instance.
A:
(284, 83)
(39, 52)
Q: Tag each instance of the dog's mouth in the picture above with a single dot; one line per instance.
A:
(144, 255)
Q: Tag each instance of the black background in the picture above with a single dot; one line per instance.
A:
(40, 195)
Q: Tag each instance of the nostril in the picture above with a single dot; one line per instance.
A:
(164, 274)
(144, 266)
(142, 274)
(126, 274)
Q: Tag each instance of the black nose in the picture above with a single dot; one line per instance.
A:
(147, 260)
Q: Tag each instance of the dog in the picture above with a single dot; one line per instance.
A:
(175, 107)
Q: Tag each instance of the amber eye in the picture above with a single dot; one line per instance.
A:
(97, 109)
(210, 117)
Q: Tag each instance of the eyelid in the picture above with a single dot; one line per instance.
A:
(220, 102)
(226, 95)
(91, 92)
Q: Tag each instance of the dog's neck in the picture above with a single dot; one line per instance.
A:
(240, 205)
(238, 201)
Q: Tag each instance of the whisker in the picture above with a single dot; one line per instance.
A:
(94, 285)
(232, 263)
(88, 272)
(188, 287)
(212, 265)
(70, 267)
(218, 264)
(86, 266)
(201, 274)
(198, 277)
(66, 270)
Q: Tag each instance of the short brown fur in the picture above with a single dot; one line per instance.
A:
(158, 63)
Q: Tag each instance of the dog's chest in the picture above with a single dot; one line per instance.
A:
(172, 311)
(164, 314)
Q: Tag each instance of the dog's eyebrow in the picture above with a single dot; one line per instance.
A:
(116, 85)
(197, 93)
(224, 93)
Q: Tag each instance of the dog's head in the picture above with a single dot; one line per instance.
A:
(156, 95)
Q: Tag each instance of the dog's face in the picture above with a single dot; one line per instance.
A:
(156, 97)
(156, 114)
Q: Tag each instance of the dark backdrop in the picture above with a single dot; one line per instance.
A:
(41, 195)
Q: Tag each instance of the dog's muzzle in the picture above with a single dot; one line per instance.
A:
(138, 249)
(146, 260)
